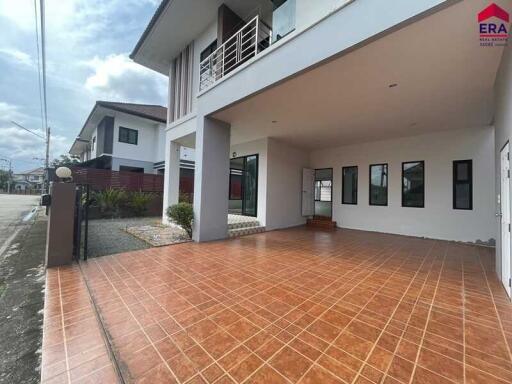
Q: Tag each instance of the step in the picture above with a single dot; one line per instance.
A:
(322, 223)
(243, 224)
(236, 232)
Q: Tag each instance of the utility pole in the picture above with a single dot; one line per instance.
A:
(43, 57)
(8, 161)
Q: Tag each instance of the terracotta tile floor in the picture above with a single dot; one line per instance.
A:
(74, 349)
(305, 306)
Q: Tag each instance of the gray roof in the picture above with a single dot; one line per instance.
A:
(148, 111)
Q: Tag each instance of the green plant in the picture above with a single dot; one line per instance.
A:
(139, 201)
(183, 215)
(110, 201)
(185, 197)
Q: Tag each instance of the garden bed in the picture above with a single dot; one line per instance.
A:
(158, 235)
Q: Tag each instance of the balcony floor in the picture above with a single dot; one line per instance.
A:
(302, 305)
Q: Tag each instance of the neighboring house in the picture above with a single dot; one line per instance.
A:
(30, 180)
(387, 116)
(125, 137)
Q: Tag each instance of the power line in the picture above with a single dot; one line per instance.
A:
(45, 104)
(28, 130)
(39, 66)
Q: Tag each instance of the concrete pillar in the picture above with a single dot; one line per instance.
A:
(211, 180)
(172, 176)
(59, 239)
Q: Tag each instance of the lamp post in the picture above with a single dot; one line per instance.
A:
(8, 161)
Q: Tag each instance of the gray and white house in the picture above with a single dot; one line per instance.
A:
(125, 137)
(382, 116)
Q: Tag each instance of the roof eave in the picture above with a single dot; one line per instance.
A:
(149, 28)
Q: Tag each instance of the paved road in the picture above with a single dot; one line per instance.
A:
(22, 248)
(13, 209)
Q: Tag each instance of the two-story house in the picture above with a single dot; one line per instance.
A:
(387, 116)
(125, 137)
(29, 180)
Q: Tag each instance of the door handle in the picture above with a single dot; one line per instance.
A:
(499, 214)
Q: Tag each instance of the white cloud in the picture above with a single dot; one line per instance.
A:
(16, 55)
(116, 77)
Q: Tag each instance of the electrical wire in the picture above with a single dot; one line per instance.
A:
(39, 67)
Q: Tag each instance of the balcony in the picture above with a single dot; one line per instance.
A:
(253, 38)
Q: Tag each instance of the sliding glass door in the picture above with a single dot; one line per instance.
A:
(243, 186)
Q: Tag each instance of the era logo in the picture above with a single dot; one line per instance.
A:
(498, 26)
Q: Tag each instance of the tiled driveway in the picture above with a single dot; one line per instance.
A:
(306, 306)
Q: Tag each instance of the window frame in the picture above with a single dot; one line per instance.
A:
(343, 184)
(128, 135)
(455, 183)
(370, 185)
(422, 162)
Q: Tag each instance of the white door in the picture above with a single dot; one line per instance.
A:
(308, 192)
(505, 217)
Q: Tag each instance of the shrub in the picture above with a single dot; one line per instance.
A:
(139, 201)
(110, 201)
(183, 215)
(186, 197)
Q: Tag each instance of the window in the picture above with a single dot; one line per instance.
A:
(463, 184)
(379, 184)
(349, 188)
(323, 190)
(413, 184)
(127, 135)
(208, 51)
(93, 143)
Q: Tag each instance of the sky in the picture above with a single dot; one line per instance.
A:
(87, 48)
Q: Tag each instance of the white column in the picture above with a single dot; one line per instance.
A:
(172, 176)
(211, 180)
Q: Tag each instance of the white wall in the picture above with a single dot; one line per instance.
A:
(309, 12)
(284, 185)
(258, 147)
(160, 143)
(146, 149)
(503, 124)
(438, 219)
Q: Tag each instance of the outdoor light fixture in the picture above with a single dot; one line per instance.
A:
(63, 173)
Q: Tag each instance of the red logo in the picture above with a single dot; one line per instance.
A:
(493, 24)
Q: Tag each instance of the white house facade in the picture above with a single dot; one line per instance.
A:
(383, 116)
(29, 180)
(125, 137)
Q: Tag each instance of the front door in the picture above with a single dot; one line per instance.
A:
(505, 217)
(243, 186)
(308, 195)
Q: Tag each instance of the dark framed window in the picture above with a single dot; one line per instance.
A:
(208, 51)
(129, 136)
(379, 184)
(349, 185)
(463, 184)
(413, 184)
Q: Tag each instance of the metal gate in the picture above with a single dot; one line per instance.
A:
(81, 222)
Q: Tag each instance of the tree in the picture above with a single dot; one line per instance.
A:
(65, 161)
(4, 179)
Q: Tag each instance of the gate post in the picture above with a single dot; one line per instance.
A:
(59, 238)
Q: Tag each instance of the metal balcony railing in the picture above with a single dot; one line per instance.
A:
(252, 38)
